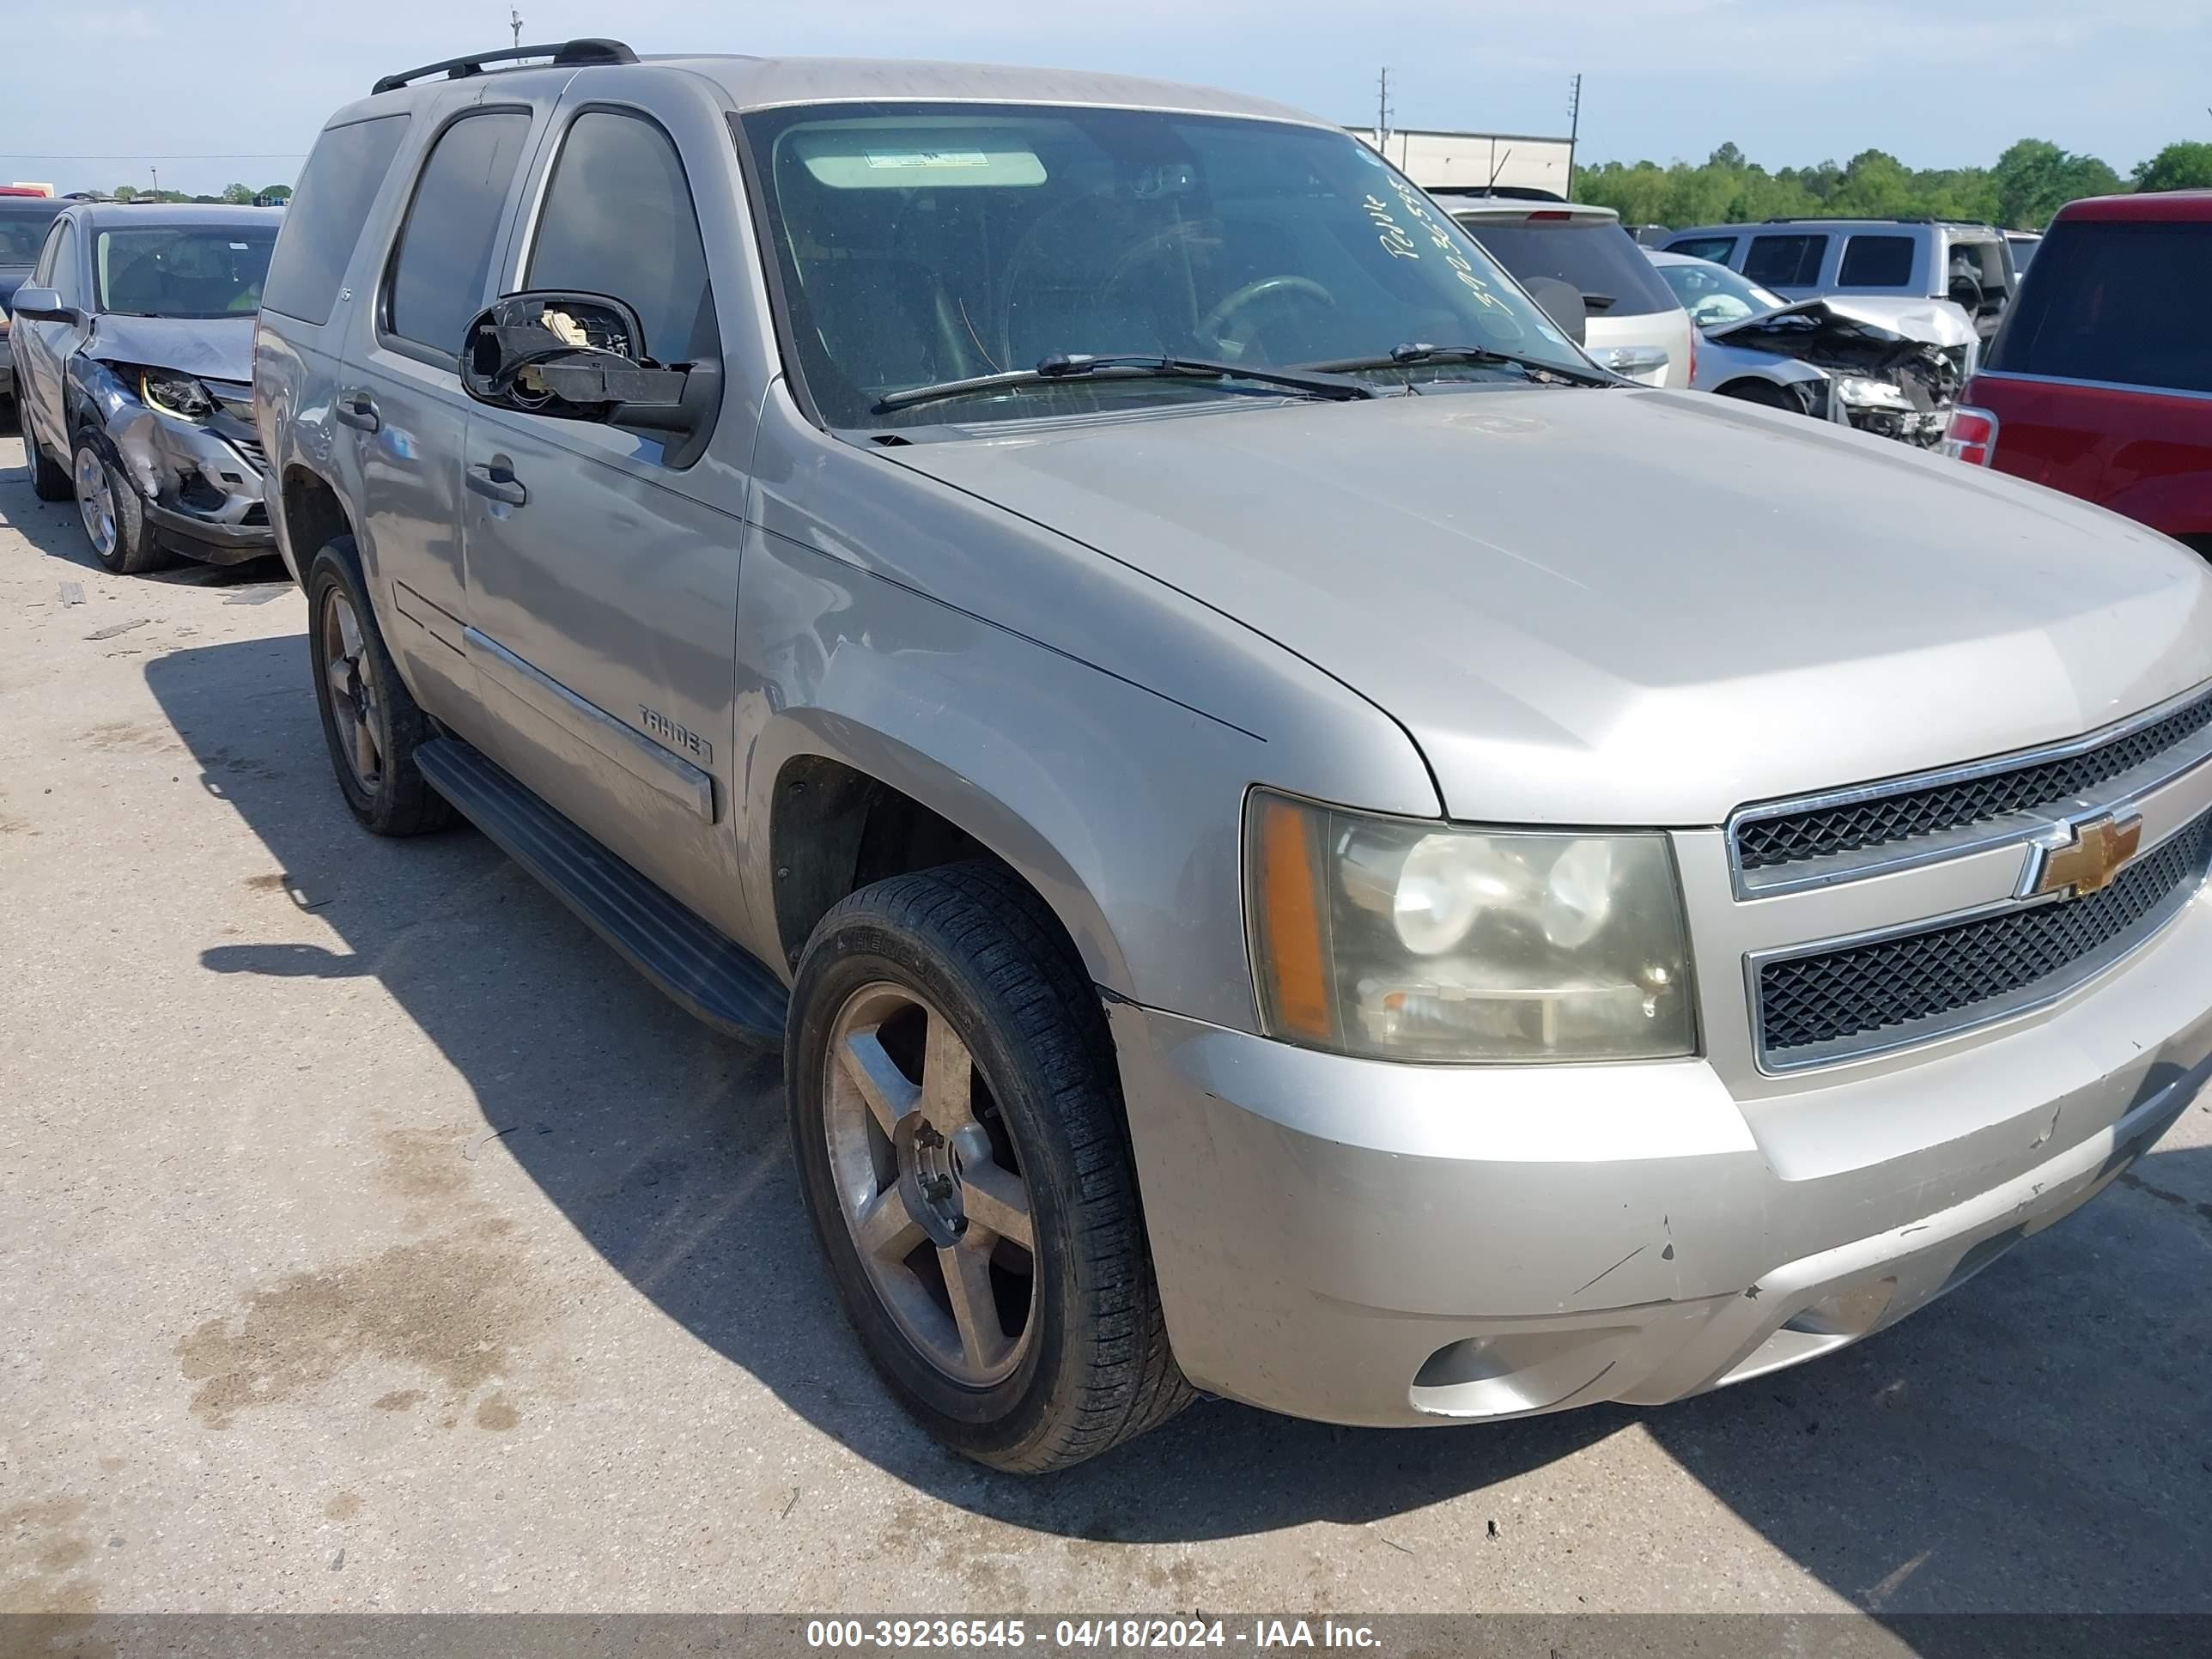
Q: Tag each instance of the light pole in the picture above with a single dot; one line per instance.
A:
(514, 22)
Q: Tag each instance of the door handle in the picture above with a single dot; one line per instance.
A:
(358, 410)
(496, 479)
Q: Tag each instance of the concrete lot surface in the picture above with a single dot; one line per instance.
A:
(371, 1238)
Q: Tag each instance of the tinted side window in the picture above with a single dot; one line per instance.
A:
(1719, 249)
(324, 219)
(1785, 261)
(444, 254)
(2118, 302)
(1876, 262)
(618, 219)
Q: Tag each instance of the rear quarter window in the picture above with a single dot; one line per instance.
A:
(325, 217)
(1876, 262)
(1600, 259)
(2123, 303)
(1785, 261)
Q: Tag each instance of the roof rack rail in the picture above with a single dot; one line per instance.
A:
(572, 53)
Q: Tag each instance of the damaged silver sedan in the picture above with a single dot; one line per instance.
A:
(1885, 365)
(134, 363)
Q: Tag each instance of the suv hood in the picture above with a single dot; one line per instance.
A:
(1628, 607)
(209, 347)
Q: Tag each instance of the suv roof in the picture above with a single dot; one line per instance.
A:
(1754, 225)
(2155, 207)
(761, 83)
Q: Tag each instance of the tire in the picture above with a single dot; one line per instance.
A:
(114, 516)
(973, 952)
(49, 482)
(383, 786)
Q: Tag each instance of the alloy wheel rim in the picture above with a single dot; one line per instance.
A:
(353, 700)
(932, 1192)
(96, 501)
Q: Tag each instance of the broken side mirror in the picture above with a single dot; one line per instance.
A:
(1563, 303)
(579, 357)
(42, 304)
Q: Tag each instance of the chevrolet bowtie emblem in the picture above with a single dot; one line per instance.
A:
(2099, 851)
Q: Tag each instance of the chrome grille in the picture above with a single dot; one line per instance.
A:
(1831, 1005)
(1766, 840)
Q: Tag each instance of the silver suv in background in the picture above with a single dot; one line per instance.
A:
(1969, 264)
(1632, 323)
(1095, 617)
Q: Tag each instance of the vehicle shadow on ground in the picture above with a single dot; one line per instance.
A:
(53, 528)
(2038, 1441)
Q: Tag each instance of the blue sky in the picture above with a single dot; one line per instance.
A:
(1788, 80)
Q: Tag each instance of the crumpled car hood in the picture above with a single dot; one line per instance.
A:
(1822, 332)
(210, 348)
(1628, 607)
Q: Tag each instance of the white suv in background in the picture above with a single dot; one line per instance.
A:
(1634, 324)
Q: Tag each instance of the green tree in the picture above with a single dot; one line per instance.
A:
(1875, 186)
(274, 192)
(125, 192)
(238, 195)
(2187, 166)
(2035, 178)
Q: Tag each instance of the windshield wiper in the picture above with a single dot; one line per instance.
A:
(1076, 365)
(1406, 357)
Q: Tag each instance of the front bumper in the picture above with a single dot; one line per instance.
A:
(202, 489)
(1371, 1243)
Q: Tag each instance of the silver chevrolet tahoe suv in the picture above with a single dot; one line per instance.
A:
(1298, 840)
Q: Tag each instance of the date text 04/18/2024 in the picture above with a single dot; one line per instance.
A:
(1087, 1634)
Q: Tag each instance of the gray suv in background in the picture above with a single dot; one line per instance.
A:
(1094, 616)
(1969, 264)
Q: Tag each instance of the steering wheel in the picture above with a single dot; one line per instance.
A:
(1267, 287)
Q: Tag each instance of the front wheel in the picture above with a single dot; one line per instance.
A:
(961, 1154)
(114, 518)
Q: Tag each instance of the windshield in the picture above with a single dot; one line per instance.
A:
(184, 270)
(1715, 296)
(22, 229)
(919, 244)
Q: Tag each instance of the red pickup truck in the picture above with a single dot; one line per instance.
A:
(2100, 380)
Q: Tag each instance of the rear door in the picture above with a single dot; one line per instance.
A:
(603, 560)
(401, 395)
(2101, 377)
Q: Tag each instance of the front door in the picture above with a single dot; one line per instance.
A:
(401, 394)
(602, 561)
(42, 348)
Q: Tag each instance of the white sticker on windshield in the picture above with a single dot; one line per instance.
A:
(928, 158)
(240, 247)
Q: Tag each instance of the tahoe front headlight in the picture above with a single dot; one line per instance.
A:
(1410, 940)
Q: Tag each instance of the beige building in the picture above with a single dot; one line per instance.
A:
(1461, 159)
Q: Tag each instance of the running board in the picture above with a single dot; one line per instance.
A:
(705, 972)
